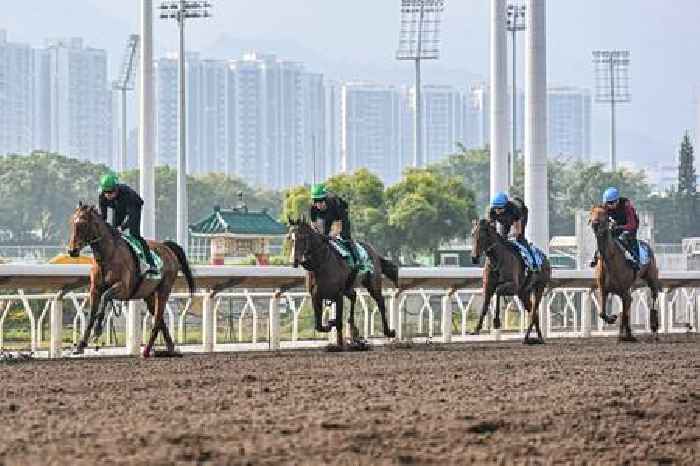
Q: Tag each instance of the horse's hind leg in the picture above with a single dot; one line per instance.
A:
(339, 321)
(497, 313)
(151, 305)
(376, 293)
(487, 294)
(161, 303)
(535, 314)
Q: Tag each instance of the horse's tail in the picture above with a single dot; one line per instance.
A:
(184, 265)
(390, 269)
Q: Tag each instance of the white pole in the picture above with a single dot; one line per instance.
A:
(122, 160)
(536, 124)
(613, 156)
(146, 121)
(499, 96)
(182, 149)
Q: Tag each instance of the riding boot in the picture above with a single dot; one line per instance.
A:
(594, 261)
(152, 269)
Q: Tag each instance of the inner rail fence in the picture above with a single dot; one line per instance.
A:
(44, 309)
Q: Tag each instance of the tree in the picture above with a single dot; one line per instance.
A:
(687, 181)
(473, 168)
(427, 208)
(40, 191)
(296, 203)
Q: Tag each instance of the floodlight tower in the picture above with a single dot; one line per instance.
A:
(181, 10)
(419, 39)
(515, 23)
(123, 84)
(146, 121)
(612, 86)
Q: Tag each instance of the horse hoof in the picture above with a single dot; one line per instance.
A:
(627, 339)
(331, 323)
(475, 332)
(358, 345)
(335, 348)
(146, 352)
(323, 329)
(391, 334)
(167, 354)
(533, 341)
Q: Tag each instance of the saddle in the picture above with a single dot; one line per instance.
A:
(534, 261)
(140, 256)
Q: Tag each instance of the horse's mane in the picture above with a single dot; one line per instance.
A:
(98, 218)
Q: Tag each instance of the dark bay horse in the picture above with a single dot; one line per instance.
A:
(613, 275)
(505, 275)
(115, 274)
(329, 277)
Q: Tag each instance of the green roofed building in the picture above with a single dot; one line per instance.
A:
(234, 234)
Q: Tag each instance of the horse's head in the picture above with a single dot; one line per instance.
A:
(483, 233)
(300, 238)
(84, 227)
(598, 219)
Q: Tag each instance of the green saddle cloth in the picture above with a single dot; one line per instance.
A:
(138, 249)
(343, 248)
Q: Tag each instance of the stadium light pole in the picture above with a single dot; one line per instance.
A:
(612, 86)
(419, 39)
(125, 83)
(181, 10)
(515, 22)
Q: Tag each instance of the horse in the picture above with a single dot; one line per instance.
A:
(505, 275)
(613, 275)
(115, 274)
(329, 278)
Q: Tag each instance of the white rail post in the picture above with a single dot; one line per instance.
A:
(544, 309)
(133, 333)
(274, 315)
(586, 302)
(208, 324)
(56, 327)
(663, 311)
(446, 321)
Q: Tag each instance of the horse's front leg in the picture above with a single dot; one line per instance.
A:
(317, 303)
(489, 290)
(625, 333)
(95, 300)
(604, 308)
(339, 321)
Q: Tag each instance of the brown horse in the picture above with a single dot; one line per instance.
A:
(330, 278)
(505, 275)
(613, 275)
(115, 274)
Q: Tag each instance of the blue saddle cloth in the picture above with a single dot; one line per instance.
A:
(532, 261)
(343, 248)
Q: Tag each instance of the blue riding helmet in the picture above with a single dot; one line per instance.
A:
(500, 200)
(611, 195)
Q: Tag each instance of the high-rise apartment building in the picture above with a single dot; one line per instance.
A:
(16, 97)
(371, 130)
(569, 122)
(80, 101)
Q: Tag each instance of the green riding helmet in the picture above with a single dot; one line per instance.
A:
(319, 192)
(108, 182)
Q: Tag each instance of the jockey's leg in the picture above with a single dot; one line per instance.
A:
(134, 226)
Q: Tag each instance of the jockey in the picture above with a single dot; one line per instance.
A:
(622, 213)
(329, 214)
(127, 205)
(511, 214)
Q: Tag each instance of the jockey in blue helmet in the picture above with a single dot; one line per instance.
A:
(510, 214)
(625, 220)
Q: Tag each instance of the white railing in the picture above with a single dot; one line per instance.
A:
(256, 308)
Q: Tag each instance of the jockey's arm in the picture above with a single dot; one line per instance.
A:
(517, 228)
(631, 217)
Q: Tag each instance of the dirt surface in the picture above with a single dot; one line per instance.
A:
(568, 402)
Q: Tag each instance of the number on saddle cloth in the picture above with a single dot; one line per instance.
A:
(135, 245)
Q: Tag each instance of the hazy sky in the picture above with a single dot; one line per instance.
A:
(358, 39)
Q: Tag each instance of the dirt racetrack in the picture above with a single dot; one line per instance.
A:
(568, 402)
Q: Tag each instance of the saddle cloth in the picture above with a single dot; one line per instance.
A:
(527, 258)
(135, 245)
(343, 248)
